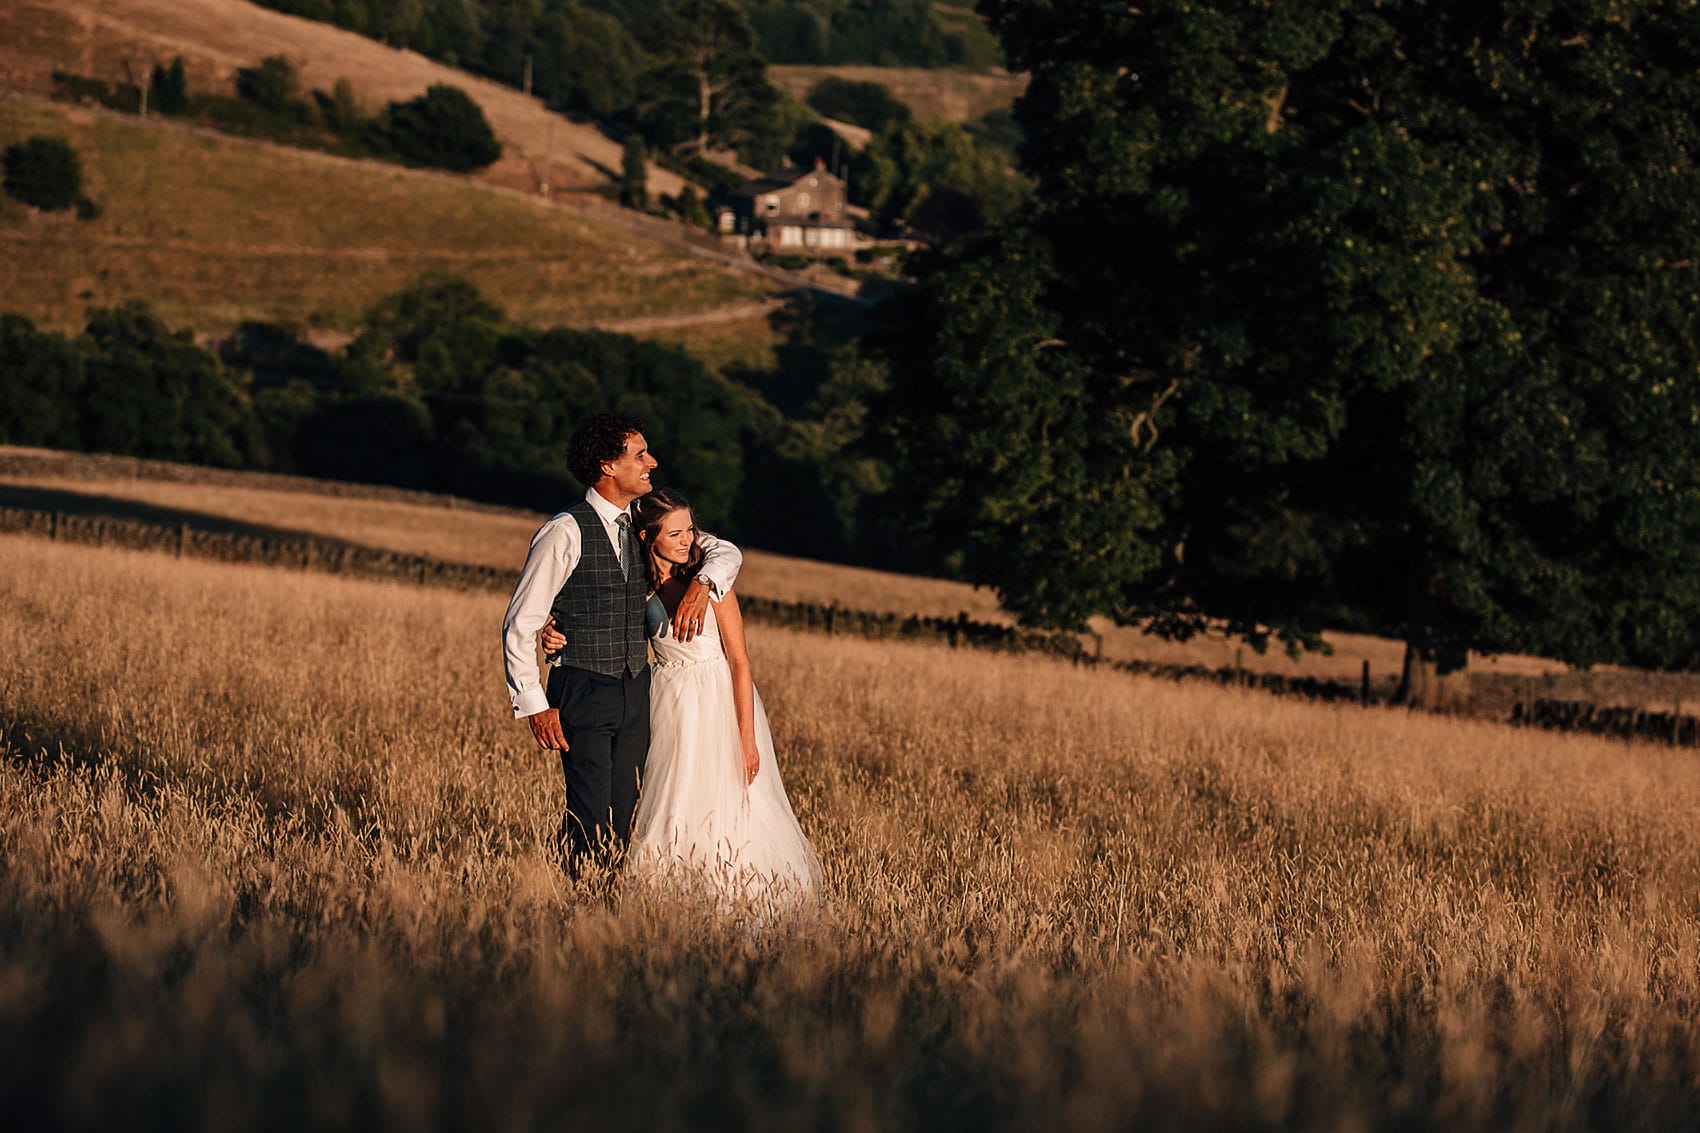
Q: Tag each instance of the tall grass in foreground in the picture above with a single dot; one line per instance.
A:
(272, 854)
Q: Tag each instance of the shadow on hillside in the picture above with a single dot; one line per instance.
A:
(113, 507)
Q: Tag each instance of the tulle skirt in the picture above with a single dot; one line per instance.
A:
(698, 826)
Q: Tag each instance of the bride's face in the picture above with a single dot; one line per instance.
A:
(674, 537)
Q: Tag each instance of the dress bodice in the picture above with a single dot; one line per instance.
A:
(705, 646)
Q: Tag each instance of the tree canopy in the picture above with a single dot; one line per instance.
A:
(43, 172)
(443, 127)
(1388, 310)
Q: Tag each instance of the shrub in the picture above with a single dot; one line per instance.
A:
(692, 210)
(634, 173)
(444, 128)
(866, 104)
(43, 172)
(272, 84)
(168, 90)
(125, 97)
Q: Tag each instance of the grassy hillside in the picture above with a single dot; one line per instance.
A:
(214, 230)
(274, 855)
(118, 40)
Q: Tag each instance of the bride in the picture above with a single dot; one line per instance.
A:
(713, 810)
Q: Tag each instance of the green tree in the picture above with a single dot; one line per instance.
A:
(710, 86)
(634, 173)
(862, 103)
(1390, 310)
(168, 89)
(586, 61)
(936, 178)
(1015, 465)
(691, 209)
(42, 386)
(43, 172)
(444, 128)
(272, 84)
(153, 393)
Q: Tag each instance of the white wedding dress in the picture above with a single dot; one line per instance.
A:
(697, 823)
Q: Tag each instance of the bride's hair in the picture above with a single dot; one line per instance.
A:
(652, 508)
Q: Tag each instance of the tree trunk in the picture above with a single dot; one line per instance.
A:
(1439, 684)
(1437, 648)
(705, 109)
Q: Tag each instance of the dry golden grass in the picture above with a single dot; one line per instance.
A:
(272, 854)
(213, 230)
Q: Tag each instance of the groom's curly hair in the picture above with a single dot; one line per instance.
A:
(599, 439)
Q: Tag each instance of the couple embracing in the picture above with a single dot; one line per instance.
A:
(670, 769)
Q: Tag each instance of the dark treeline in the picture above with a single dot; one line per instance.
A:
(885, 33)
(443, 127)
(645, 65)
(440, 392)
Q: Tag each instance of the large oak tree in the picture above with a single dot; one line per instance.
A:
(1369, 314)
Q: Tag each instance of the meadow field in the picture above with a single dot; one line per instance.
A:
(273, 853)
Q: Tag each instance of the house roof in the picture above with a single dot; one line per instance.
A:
(779, 182)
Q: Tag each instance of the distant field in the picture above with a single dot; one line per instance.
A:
(183, 227)
(932, 95)
(500, 540)
(274, 854)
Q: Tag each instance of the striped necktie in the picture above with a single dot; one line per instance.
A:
(628, 553)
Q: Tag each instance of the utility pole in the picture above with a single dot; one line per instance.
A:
(548, 158)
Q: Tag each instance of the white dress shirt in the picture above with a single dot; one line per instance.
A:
(555, 551)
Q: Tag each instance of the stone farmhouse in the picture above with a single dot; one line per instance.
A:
(798, 210)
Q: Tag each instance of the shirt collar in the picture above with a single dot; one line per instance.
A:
(605, 511)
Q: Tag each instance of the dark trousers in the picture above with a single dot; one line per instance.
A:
(606, 722)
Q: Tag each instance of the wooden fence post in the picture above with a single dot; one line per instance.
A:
(1363, 695)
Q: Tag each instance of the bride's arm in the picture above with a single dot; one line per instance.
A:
(743, 684)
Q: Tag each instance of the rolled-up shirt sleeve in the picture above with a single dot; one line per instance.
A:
(721, 561)
(554, 553)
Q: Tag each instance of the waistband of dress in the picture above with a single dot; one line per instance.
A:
(660, 664)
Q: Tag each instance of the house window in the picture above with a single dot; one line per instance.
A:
(813, 181)
(802, 201)
(771, 205)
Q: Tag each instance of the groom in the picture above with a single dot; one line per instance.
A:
(586, 570)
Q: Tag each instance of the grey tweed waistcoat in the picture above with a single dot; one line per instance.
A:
(599, 610)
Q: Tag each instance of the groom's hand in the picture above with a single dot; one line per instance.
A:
(546, 726)
(693, 607)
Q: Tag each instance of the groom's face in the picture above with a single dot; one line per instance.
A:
(631, 470)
